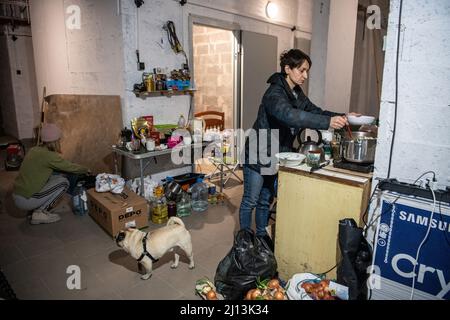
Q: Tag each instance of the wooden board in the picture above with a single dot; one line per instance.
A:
(308, 212)
(90, 125)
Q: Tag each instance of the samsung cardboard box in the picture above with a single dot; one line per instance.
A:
(115, 212)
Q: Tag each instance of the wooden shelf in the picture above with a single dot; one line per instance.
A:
(167, 93)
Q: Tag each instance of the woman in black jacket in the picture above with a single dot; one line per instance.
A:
(284, 110)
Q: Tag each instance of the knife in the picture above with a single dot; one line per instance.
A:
(320, 167)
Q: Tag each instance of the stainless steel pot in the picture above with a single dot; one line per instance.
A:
(360, 148)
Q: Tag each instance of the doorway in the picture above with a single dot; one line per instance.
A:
(214, 75)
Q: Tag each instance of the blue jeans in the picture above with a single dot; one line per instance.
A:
(258, 193)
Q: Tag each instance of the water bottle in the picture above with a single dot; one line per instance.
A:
(79, 200)
(199, 196)
(184, 206)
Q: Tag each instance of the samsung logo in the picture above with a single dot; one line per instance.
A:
(424, 221)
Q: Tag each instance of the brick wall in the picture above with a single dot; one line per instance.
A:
(213, 72)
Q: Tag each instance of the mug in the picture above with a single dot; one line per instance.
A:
(313, 159)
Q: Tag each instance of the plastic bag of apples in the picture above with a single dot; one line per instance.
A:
(308, 286)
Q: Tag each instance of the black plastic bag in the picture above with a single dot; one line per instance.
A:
(356, 258)
(250, 258)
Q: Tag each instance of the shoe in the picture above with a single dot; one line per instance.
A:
(43, 216)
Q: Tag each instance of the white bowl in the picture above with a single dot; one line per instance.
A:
(359, 121)
(290, 159)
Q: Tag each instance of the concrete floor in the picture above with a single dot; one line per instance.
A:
(35, 259)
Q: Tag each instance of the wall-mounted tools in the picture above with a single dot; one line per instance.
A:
(140, 65)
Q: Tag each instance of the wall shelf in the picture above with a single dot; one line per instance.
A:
(167, 93)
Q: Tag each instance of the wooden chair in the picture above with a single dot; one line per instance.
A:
(212, 119)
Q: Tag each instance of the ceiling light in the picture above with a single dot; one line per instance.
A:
(271, 10)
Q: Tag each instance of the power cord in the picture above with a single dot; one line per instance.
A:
(396, 86)
(173, 40)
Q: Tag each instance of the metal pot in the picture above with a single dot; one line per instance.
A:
(360, 148)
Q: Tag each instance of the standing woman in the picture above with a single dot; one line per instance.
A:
(37, 187)
(285, 108)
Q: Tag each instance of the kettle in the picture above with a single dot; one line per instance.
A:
(309, 145)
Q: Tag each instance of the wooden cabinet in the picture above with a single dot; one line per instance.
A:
(309, 208)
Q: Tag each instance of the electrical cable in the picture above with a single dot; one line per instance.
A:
(372, 221)
(396, 86)
(421, 244)
(368, 206)
(173, 40)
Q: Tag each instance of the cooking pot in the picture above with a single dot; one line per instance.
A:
(309, 145)
(360, 148)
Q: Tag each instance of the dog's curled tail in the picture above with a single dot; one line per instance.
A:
(175, 220)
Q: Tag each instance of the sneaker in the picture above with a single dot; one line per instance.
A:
(43, 216)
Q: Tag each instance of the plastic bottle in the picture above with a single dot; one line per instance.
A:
(79, 200)
(184, 206)
(199, 196)
(212, 195)
(181, 122)
(171, 209)
(160, 212)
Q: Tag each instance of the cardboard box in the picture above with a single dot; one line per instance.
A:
(115, 212)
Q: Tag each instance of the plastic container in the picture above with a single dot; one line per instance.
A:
(79, 200)
(184, 206)
(199, 196)
(188, 178)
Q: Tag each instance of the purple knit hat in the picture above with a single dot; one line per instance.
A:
(50, 132)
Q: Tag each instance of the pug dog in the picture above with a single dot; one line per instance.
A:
(148, 248)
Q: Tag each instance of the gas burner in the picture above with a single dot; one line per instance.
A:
(359, 167)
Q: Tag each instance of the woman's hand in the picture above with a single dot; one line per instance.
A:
(338, 122)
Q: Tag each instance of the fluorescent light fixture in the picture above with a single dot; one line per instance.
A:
(271, 10)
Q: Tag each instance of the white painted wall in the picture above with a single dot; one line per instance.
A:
(19, 101)
(88, 60)
(249, 15)
(319, 50)
(422, 139)
(304, 18)
(332, 53)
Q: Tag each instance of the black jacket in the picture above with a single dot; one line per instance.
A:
(280, 110)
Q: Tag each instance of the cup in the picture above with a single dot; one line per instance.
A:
(313, 159)
(150, 145)
(129, 146)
